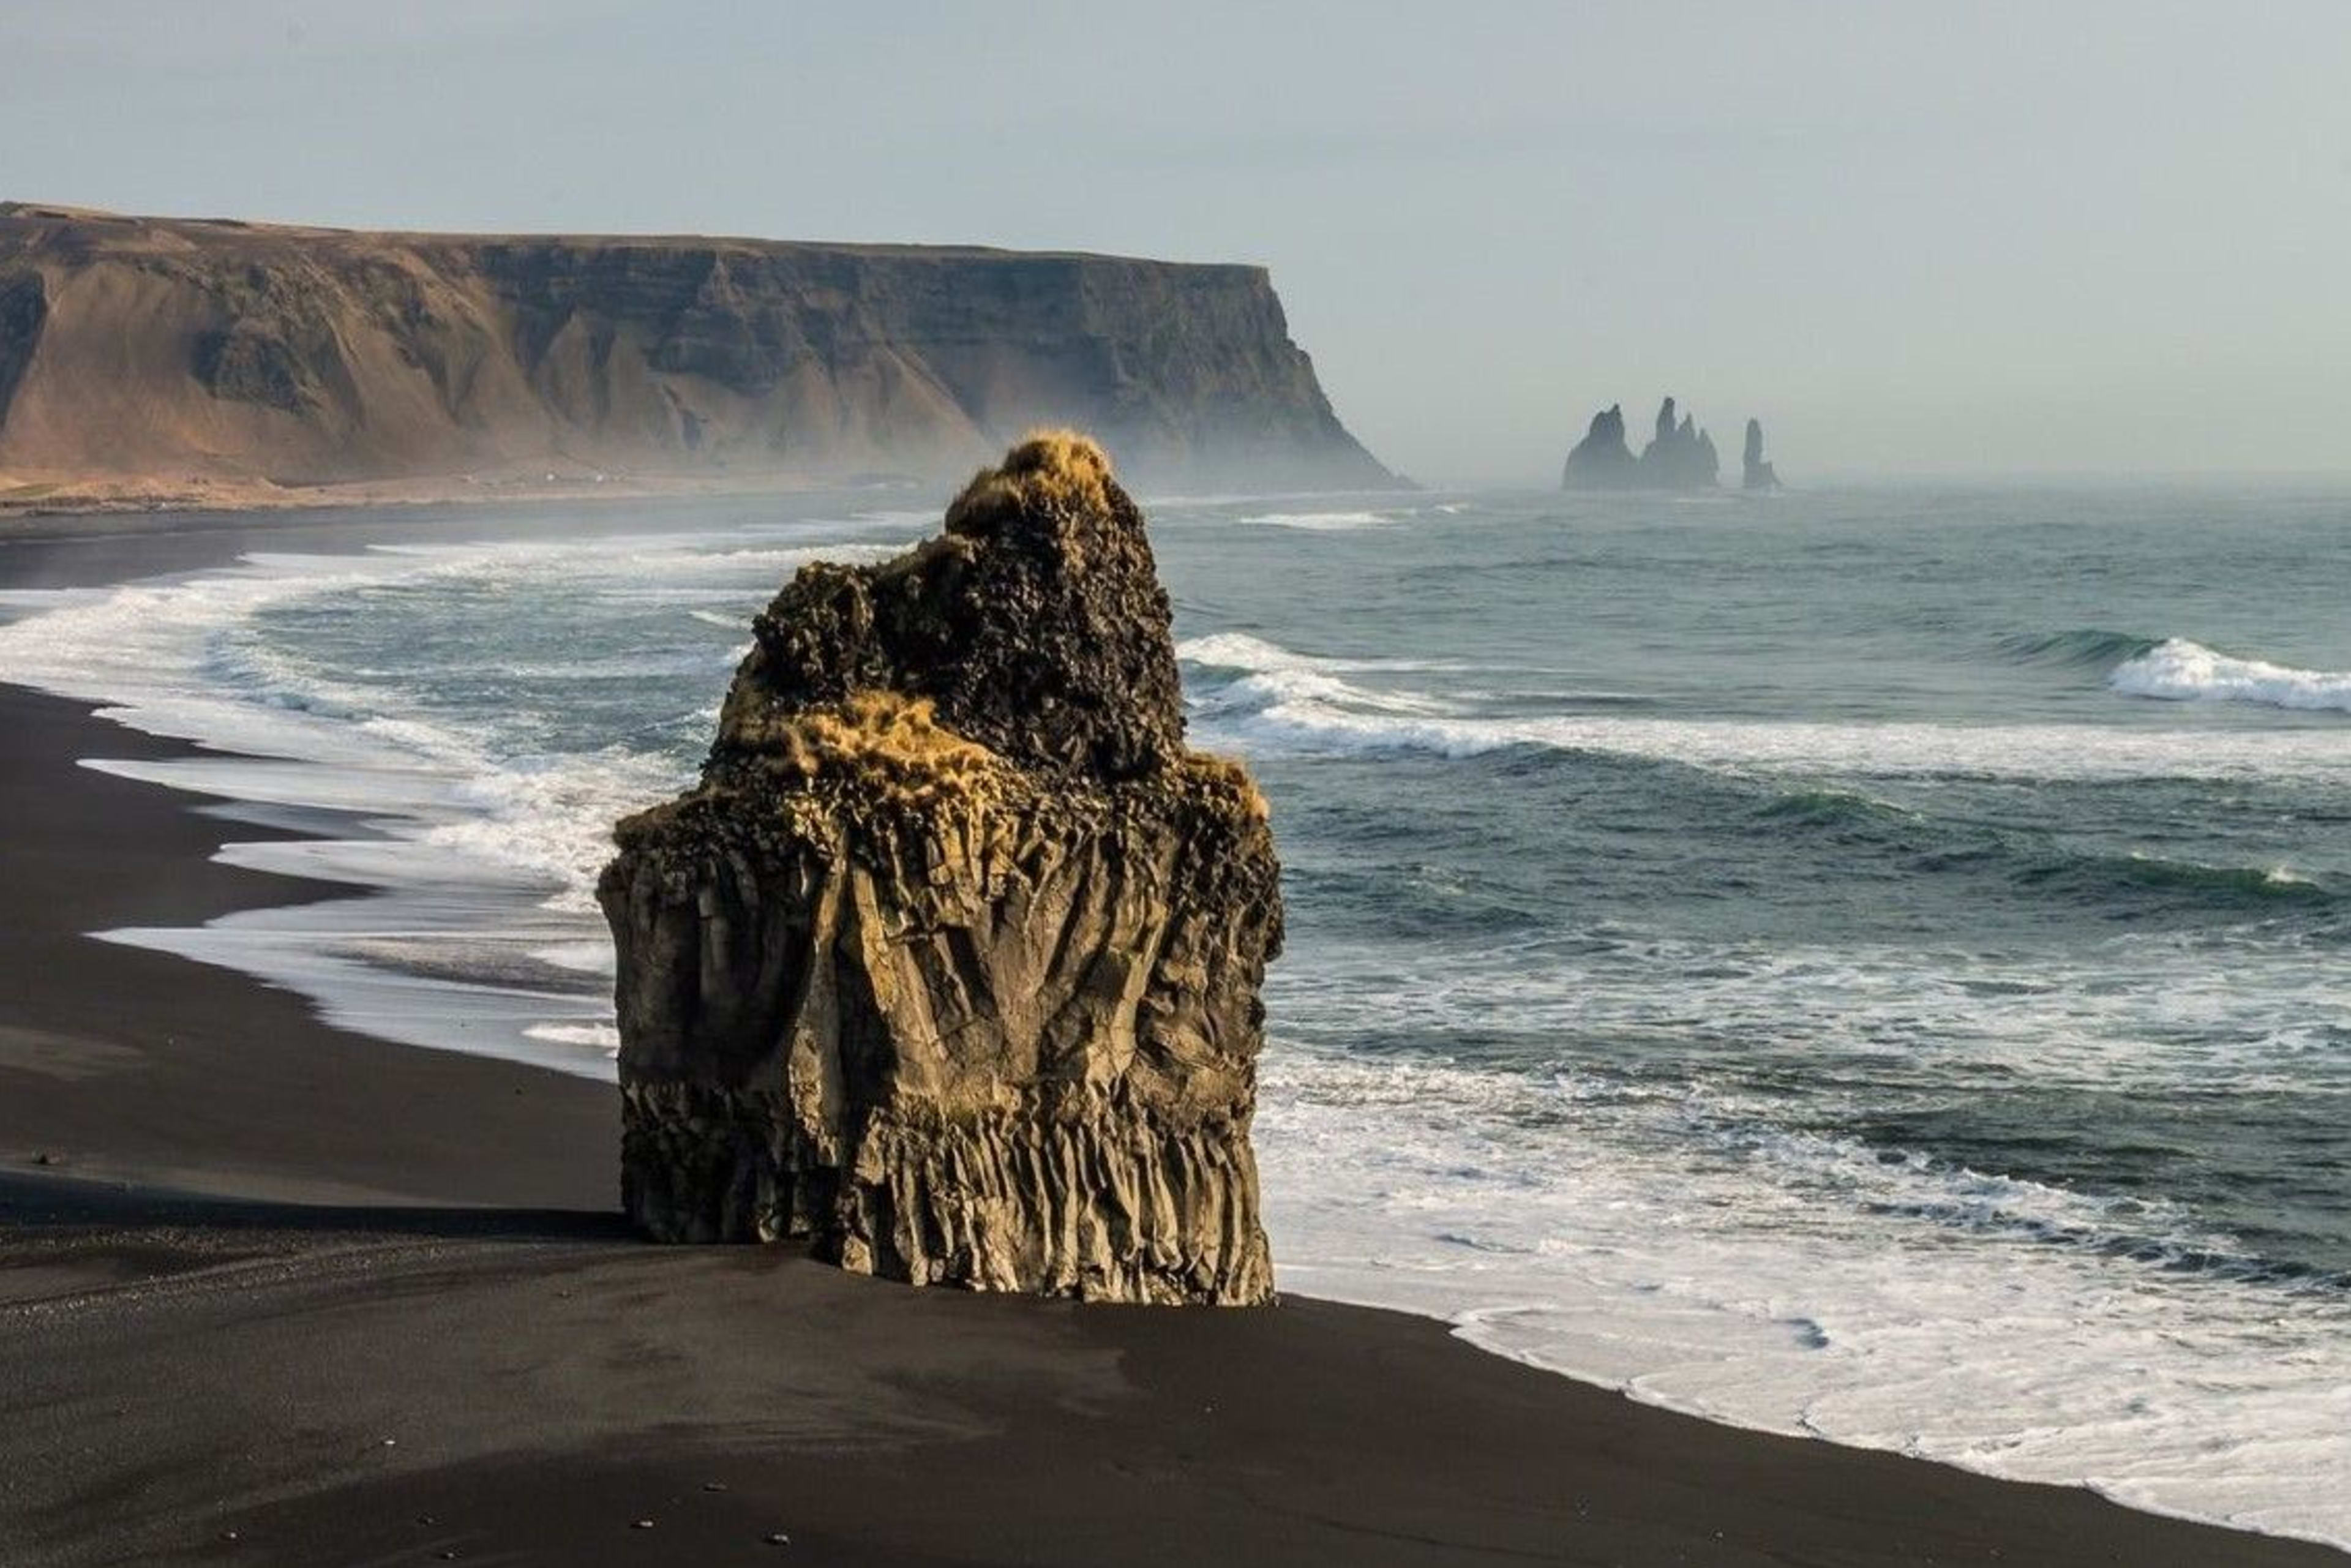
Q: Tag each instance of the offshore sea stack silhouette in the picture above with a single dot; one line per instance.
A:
(1756, 473)
(1680, 455)
(951, 962)
(1602, 460)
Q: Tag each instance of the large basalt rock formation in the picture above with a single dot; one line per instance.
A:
(951, 962)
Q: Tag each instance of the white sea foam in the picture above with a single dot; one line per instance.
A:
(1238, 650)
(2178, 670)
(1785, 1283)
(175, 658)
(603, 1037)
(1275, 698)
(584, 957)
(377, 965)
(2138, 1014)
(1655, 1228)
(1278, 678)
(1320, 522)
(486, 852)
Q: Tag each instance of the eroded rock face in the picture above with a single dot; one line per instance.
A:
(183, 347)
(951, 963)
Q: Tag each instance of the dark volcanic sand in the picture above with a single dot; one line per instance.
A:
(403, 1322)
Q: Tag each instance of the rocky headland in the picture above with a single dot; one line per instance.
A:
(1680, 455)
(951, 963)
(195, 360)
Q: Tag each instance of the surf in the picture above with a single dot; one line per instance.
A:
(1262, 694)
(2177, 669)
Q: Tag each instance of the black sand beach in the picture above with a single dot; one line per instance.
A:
(275, 1293)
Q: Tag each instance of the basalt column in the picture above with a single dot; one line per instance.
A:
(951, 962)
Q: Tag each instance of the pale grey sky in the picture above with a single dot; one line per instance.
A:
(1946, 238)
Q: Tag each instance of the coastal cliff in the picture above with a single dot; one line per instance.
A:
(138, 349)
(951, 962)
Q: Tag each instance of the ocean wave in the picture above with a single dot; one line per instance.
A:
(2089, 646)
(1683, 1248)
(1261, 694)
(192, 658)
(1240, 651)
(2177, 669)
(2103, 877)
(1833, 808)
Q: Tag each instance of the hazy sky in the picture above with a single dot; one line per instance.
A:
(1949, 237)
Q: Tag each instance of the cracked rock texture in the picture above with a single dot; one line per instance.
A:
(951, 962)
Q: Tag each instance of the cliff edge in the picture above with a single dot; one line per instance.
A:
(951, 963)
(214, 350)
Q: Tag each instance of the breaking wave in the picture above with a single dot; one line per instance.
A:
(1263, 694)
(1794, 1269)
(2089, 646)
(2177, 669)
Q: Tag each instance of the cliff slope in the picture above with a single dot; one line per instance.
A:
(951, 963)
(137, 348)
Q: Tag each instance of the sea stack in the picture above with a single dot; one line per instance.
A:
(1680, 456)
(1759, 474)
(1602, 460)
(951, 962)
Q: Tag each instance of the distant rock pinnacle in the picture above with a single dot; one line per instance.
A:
(1759, 474)
(1602, 460)
(1680, 455)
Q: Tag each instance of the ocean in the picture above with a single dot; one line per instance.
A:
(1864, 961)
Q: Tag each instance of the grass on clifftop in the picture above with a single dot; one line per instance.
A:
(1054, 471)
(891, 746)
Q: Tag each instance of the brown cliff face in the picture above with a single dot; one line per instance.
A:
(951, 963)
(136, 347)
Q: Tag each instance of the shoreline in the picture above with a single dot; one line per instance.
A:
(36, 497)
(454, 1214)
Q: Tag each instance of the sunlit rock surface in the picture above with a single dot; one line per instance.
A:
(133, 347)
(952, 961)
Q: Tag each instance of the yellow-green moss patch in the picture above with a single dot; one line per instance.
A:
(890, 745)
(1056, 471)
